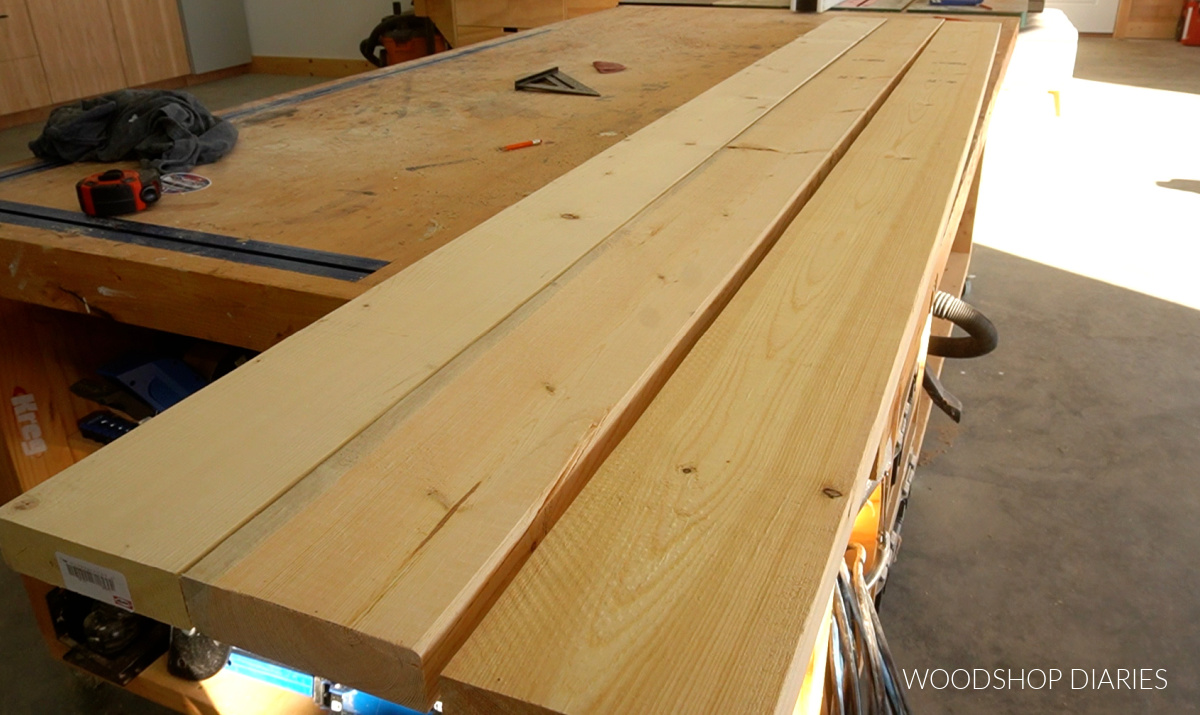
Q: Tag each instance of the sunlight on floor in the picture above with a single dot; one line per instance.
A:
(1108, 190)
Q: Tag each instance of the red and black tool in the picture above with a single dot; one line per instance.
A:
(118, 191)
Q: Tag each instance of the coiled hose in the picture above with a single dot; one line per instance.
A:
(981, 339)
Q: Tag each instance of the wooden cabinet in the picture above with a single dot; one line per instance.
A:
(22, 81)
(16, 34)
(465, 22)
(1147, 19)
(508, 13)
(54, 51)
(77, 46)
(23, 85)
(150, 39)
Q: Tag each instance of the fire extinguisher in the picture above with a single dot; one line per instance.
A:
(1191, 24)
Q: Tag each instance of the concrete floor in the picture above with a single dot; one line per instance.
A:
(1052, 529)
(1153, 64)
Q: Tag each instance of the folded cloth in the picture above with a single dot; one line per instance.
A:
(169, 131)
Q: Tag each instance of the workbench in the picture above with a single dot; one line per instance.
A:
(334, 189)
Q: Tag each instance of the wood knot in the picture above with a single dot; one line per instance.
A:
(25, 503)
(831, 492)
(570, 217)
(687, 468)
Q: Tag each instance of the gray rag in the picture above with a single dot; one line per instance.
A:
(169, 131)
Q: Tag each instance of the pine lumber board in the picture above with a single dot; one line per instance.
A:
(478, 472)
(179, 485)
(691, 574)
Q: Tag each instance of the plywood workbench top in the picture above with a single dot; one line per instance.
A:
(389, 165)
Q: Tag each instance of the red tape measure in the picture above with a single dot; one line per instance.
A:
(118, 191)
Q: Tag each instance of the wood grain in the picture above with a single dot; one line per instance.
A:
(1148, 19)
(150, 38)
(16, 33)
(508, 13)
(207, 298)
(692, 572)
(468, 35)
(411, 144)
(43, 353)
(559, 388)
(44, 450)
(872, 5)
(409, 147)
(24, 86)
(268, 424)
(78, 47)
(442, 14)
(578, 8)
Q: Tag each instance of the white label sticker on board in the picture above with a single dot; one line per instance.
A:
(183, 183)
(95, 581)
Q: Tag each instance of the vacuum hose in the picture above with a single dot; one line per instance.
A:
(981, 339)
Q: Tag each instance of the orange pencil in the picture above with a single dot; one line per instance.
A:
(522, 145)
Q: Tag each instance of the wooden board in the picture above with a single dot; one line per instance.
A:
(207, 298)
(150, 38)
(33, 432)
(577, 8)
(442, 14)
(698, 558)
(301, 401)
(872, 5)
(1148, 19)
(24, 85)
(77, 46)
(402, 149)
(563, 384)
(508, 13)
(396, 197)
(468, 35)
(16, 33)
